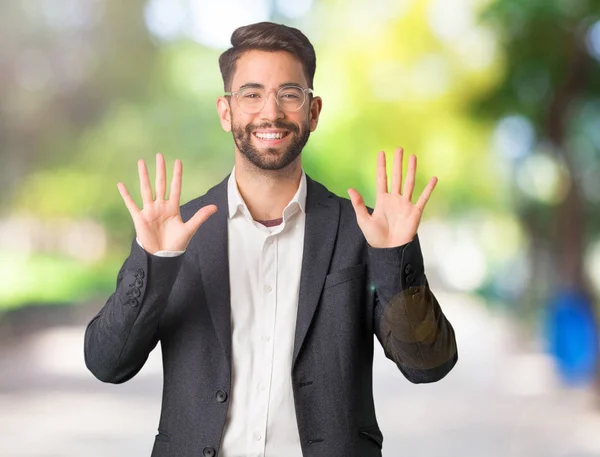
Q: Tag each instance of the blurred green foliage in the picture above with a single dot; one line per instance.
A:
(551, 79)
(87, 99)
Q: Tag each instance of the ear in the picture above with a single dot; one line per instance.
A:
(315, 110)
(224, 111)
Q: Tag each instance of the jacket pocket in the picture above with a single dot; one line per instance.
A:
(345, 274)
(373, 434)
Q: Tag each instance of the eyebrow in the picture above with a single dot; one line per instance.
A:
(261, 86)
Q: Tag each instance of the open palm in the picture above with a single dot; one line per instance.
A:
(158, 225)
(395, 219)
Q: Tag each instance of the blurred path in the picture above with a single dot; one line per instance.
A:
(501, 400)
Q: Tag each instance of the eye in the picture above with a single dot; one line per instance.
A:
(251, 95)
(291, 94)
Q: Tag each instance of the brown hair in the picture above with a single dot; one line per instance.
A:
(267, 36)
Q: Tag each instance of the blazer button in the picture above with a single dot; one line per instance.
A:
(410, 279)
(209, 452)
(413, 290)
(139, 283)
(221, 396)
(140, 273)
(132, 302)
(408, 269)
(136, 292)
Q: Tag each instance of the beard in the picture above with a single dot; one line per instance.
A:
(271, 158)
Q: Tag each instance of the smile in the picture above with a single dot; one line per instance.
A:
(270, 135)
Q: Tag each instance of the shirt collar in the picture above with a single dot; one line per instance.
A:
(236, 202)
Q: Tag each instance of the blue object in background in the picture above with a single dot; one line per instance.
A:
(572, 335)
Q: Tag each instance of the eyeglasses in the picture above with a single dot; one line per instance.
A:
(252, 99)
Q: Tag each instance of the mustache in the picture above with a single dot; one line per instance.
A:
(272, 125)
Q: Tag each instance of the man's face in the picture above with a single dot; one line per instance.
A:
(273, 138)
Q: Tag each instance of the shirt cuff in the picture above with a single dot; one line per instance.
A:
(162, 253)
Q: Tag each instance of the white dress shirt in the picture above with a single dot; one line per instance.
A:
(264, 278)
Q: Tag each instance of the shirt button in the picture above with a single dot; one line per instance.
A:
(266, 339)
(262, 387)
(268, 289)
(257, 436)
(269, 241)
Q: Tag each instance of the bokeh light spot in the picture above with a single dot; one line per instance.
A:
(593, 40)
(514, 137)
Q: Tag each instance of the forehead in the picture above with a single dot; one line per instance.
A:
(270, 69)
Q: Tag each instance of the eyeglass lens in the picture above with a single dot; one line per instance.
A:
(252, 100)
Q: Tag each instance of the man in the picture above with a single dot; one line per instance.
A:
(266, 291)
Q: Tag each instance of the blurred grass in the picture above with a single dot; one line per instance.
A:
(42, 279)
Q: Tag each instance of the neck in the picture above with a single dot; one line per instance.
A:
(267, 192)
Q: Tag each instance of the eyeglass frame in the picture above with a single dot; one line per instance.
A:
(306, 91)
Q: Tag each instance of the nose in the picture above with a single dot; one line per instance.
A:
(271, 110)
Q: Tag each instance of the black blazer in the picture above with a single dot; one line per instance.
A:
(348, 292)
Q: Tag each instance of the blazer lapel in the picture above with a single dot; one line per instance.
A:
(212, 254)
(321, 226)
(211, 245)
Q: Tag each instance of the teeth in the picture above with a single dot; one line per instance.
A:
(269, 136)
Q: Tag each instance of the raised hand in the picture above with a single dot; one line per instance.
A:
(395, 219)
(158, 225)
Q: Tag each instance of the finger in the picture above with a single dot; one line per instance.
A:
(362, 214)
(145, 188)
(381, 174)
(160, 184)
(200, 217)
(424, 198)
(409, 184)
(175, 192)
(397, 172)
(129, 203)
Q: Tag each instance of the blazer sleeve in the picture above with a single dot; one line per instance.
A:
(119, 339)
(408, 319)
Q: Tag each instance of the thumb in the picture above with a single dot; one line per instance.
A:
(359, 206)
(200, 217)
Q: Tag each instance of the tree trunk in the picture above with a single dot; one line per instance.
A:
(570, 234)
